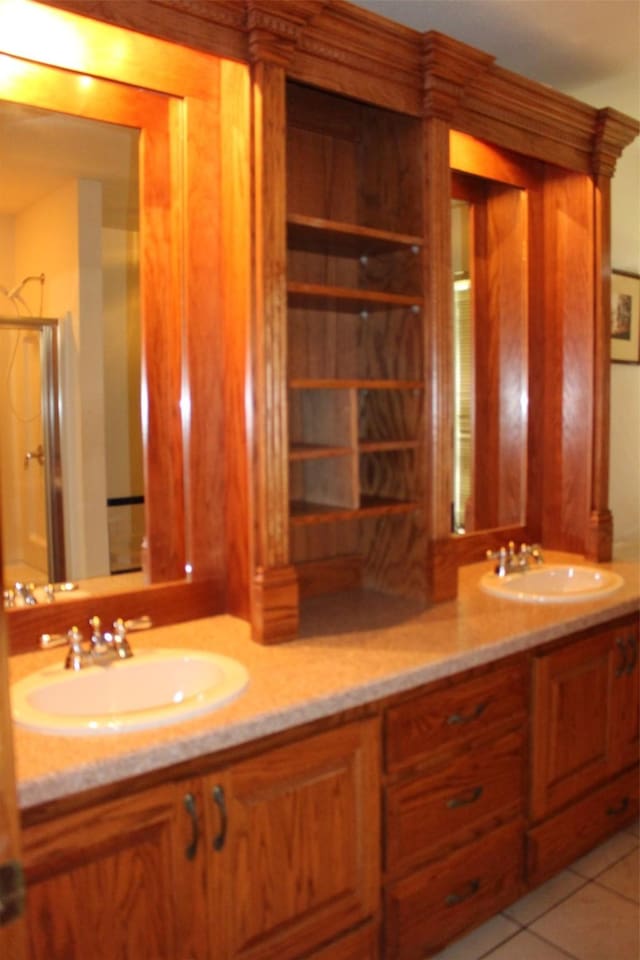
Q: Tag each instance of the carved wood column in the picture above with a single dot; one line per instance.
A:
(613, 133)
(273, 35)
(448, 69)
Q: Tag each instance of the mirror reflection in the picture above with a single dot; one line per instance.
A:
(490, 368)
(72, 498)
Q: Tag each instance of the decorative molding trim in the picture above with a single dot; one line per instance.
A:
(450, 68)
(614, 131)
(275, 30)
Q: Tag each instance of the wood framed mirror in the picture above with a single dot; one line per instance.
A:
(188, 109)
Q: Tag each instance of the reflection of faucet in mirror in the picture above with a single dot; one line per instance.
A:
(77, 217)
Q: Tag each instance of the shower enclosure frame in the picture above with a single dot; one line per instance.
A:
(47, 328)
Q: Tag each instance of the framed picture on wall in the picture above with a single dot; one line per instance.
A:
(625, 317)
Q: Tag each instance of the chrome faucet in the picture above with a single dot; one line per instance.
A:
(101, 648)
(27, 592)
(512, 561)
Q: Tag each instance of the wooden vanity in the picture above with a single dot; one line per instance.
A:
(376, 807)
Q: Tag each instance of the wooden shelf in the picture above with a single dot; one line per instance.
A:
(346, 299)
(315, 234)
(316, 451)
(381, 446)
(314, 383)
(306, 514)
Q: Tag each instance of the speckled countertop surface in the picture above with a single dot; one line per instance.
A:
(351, 651)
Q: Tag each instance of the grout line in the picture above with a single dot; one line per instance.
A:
(550, 943)
(616, 893)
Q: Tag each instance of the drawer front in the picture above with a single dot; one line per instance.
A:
(361, 944)
(443, 810)
(453, 714)
(569, 834)
(426, 910)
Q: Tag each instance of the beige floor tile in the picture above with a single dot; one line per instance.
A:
(604, 856)
(526, 946)
(543, 898)
(624, 876)
(479, 941)
(593, 924)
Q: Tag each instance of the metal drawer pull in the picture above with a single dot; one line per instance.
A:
(463, 801)
(455, 898)
(190, 807)
(622, 807)
(622, 647)
(458, 718)
(633, 649)
(218, 798)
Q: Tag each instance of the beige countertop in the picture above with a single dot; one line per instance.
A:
(352, 650)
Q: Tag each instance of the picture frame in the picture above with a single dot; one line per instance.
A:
(625, 317)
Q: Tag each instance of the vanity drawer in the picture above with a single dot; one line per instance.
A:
(427, 909)
(452, 714)
(579, 827)
(475, 791)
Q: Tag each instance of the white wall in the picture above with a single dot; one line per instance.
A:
(623, 93)
(60, 237)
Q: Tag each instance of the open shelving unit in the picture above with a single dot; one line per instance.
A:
(355, 341)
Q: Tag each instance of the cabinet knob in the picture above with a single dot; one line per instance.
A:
(457, 719)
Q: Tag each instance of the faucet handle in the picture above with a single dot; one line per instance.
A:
(120, 642)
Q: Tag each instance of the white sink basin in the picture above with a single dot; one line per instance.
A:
(553, 583)
(152, 689)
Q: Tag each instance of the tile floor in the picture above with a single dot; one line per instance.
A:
(591, 911)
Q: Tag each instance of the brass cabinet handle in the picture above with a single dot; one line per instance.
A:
(469, 891)
(459, 718)
(622, 807)
(463, 801)
(190, 807)
(621, 644)
(633, 650)
(218, 798)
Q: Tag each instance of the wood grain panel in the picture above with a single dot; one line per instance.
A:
(472, 793)
(558, 841)
(313, 880)
(464, 708)
(427, 909)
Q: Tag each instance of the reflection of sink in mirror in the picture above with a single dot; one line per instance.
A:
(41, 596)
(553, 583)
(154, 688)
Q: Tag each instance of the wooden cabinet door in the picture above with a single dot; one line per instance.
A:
(626, 700)
(297, 832)
(584, 717)
(107, 882)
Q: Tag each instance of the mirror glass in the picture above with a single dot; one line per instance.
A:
(70, 252)
(490, 354)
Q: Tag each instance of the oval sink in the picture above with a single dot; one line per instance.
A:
(553, 583)
(153, 688)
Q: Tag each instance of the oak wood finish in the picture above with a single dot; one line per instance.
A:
(445, 86)
(110, 882)
(174, 96)
(559, 840)
(289, 865)
(455, 793)
(428, 908)
(585, 715)
(301, 862)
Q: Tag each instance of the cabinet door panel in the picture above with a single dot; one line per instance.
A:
(585, 724)
(102, 882)
(300, 862)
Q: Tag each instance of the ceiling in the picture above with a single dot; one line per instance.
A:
(567, 44)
